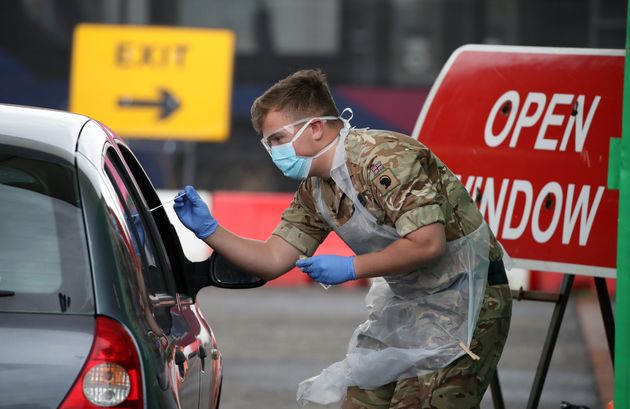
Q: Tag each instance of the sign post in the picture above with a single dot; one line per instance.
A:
(622, 344)
(154, 82)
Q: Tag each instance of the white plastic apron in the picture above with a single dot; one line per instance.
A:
(416, 320)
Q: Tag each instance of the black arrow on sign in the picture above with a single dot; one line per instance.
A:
(167, 103)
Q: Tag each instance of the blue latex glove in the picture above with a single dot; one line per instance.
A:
(194, 213)
(328, 269)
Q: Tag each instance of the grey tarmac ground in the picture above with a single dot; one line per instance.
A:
(272, 338)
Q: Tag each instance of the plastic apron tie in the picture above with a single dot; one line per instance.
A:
(416, 320)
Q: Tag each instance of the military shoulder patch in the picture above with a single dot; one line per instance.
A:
(385, 182)
(377, 168)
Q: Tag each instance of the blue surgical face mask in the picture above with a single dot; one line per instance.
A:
(287, 160)
(291, 165)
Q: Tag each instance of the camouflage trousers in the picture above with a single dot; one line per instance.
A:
(460, 385)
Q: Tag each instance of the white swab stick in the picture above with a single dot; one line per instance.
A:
(167, 202)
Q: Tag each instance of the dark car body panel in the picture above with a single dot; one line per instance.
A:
(40, 357)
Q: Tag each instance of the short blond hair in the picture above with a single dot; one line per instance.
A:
(302, 94)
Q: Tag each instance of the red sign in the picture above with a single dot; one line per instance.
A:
(528, 131)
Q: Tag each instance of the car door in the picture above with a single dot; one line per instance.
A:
(176, 340)
(210, 357)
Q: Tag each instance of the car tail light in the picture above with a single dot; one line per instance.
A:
(111, 375)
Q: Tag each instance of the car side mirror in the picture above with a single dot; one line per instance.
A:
(217, 271)
(224, 274)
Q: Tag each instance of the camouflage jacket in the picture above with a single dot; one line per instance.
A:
(399, 180)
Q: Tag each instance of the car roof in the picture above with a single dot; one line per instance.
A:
(44, 130)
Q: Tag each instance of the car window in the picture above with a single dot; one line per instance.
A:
(167, 245)
(142, 239)
(43, 252)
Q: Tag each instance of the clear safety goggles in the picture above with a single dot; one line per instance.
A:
(272, 138)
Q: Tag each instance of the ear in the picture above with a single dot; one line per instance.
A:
(318, 128)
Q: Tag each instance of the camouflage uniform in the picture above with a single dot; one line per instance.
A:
(404, 185)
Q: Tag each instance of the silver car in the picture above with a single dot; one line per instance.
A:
(97, 300)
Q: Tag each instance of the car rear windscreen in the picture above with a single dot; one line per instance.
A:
(43, 252)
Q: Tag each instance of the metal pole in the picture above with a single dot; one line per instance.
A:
(607, 314)
(190, 163)
(495, 389)
(550, 341)
(622, 342)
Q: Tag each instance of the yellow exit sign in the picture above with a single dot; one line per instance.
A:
(154, 82)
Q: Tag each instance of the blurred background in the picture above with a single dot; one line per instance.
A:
(381, 57)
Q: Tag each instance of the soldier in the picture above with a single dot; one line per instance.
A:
(439, 304)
